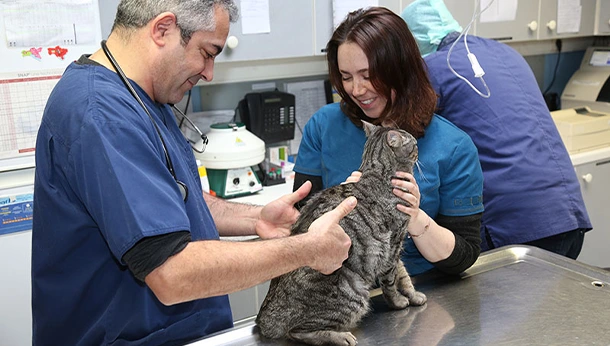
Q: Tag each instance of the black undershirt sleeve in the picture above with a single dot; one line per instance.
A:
(300, 179)
(151, 252)
(467, 242)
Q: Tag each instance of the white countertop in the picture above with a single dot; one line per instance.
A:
(267, 194)
(25, 177)
(271, 193)
(590, 156)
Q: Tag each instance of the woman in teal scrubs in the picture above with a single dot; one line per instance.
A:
(375, 66)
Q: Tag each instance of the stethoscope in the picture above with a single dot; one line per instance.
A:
(198, 146)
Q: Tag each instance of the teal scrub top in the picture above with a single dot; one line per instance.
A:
(448, 173)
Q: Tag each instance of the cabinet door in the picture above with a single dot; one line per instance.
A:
(323, 10)
(107, 14)
(603, 17)
(595, 186)
(247, 303)
(291, 34)
(548, 20)
(524, 27)
(243, 303)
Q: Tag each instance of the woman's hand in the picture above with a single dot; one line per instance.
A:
(355, 177)
(405, 187)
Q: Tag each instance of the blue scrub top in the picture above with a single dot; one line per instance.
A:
(102, 185)
(531, 190)
(449, 174)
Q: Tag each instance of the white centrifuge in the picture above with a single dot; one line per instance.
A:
(229, 157)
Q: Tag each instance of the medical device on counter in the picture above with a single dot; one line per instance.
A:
(582, 129)
(229, 156)
(590, 85)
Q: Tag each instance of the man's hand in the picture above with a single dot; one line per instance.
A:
(278, 216)
(331, 244)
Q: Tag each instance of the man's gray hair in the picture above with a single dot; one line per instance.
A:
(191, 15)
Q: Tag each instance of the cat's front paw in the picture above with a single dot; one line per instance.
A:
(348, 339)
(325, 337)
(417, 298)
(396, 301)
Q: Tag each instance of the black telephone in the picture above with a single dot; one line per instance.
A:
(269, 115)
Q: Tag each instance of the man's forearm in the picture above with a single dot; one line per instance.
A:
(233, 219)
(210, 268)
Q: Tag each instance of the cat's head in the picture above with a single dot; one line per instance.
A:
(401, 144)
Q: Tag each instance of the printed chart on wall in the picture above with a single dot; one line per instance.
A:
(310, 96)
(38, 39)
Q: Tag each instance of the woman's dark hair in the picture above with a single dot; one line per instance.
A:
(394, 65)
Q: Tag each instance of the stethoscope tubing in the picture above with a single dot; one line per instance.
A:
(170, 166)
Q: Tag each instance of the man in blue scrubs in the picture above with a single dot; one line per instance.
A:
(531, 192)
(119, 255)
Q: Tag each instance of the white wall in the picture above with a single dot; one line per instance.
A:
(15, 269)
(15, 289)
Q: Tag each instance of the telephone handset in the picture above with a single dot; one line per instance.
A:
(270, 115)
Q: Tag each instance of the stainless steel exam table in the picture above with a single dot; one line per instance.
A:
(516, 295)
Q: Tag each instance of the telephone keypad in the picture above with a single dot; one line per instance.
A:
(270, 115)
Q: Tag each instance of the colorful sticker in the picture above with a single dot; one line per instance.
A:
(58, 52)
(33, 52)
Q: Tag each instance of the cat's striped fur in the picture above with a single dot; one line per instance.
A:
(317, 309)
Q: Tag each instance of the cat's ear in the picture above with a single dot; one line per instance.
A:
(394, 139)
(368, 127)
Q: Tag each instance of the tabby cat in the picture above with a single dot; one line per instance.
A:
(308, 306)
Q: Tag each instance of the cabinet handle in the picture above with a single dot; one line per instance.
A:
(232, 42)
(587, 177)
(551, 25)
(533, 25)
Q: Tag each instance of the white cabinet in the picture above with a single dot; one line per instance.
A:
(534, 19)
(107, 14)
(462, 11)
(595, 186)
(602, 26)
(246, 303)
(291, 34)
(323, 10)
(524, 27)
(547, 28)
